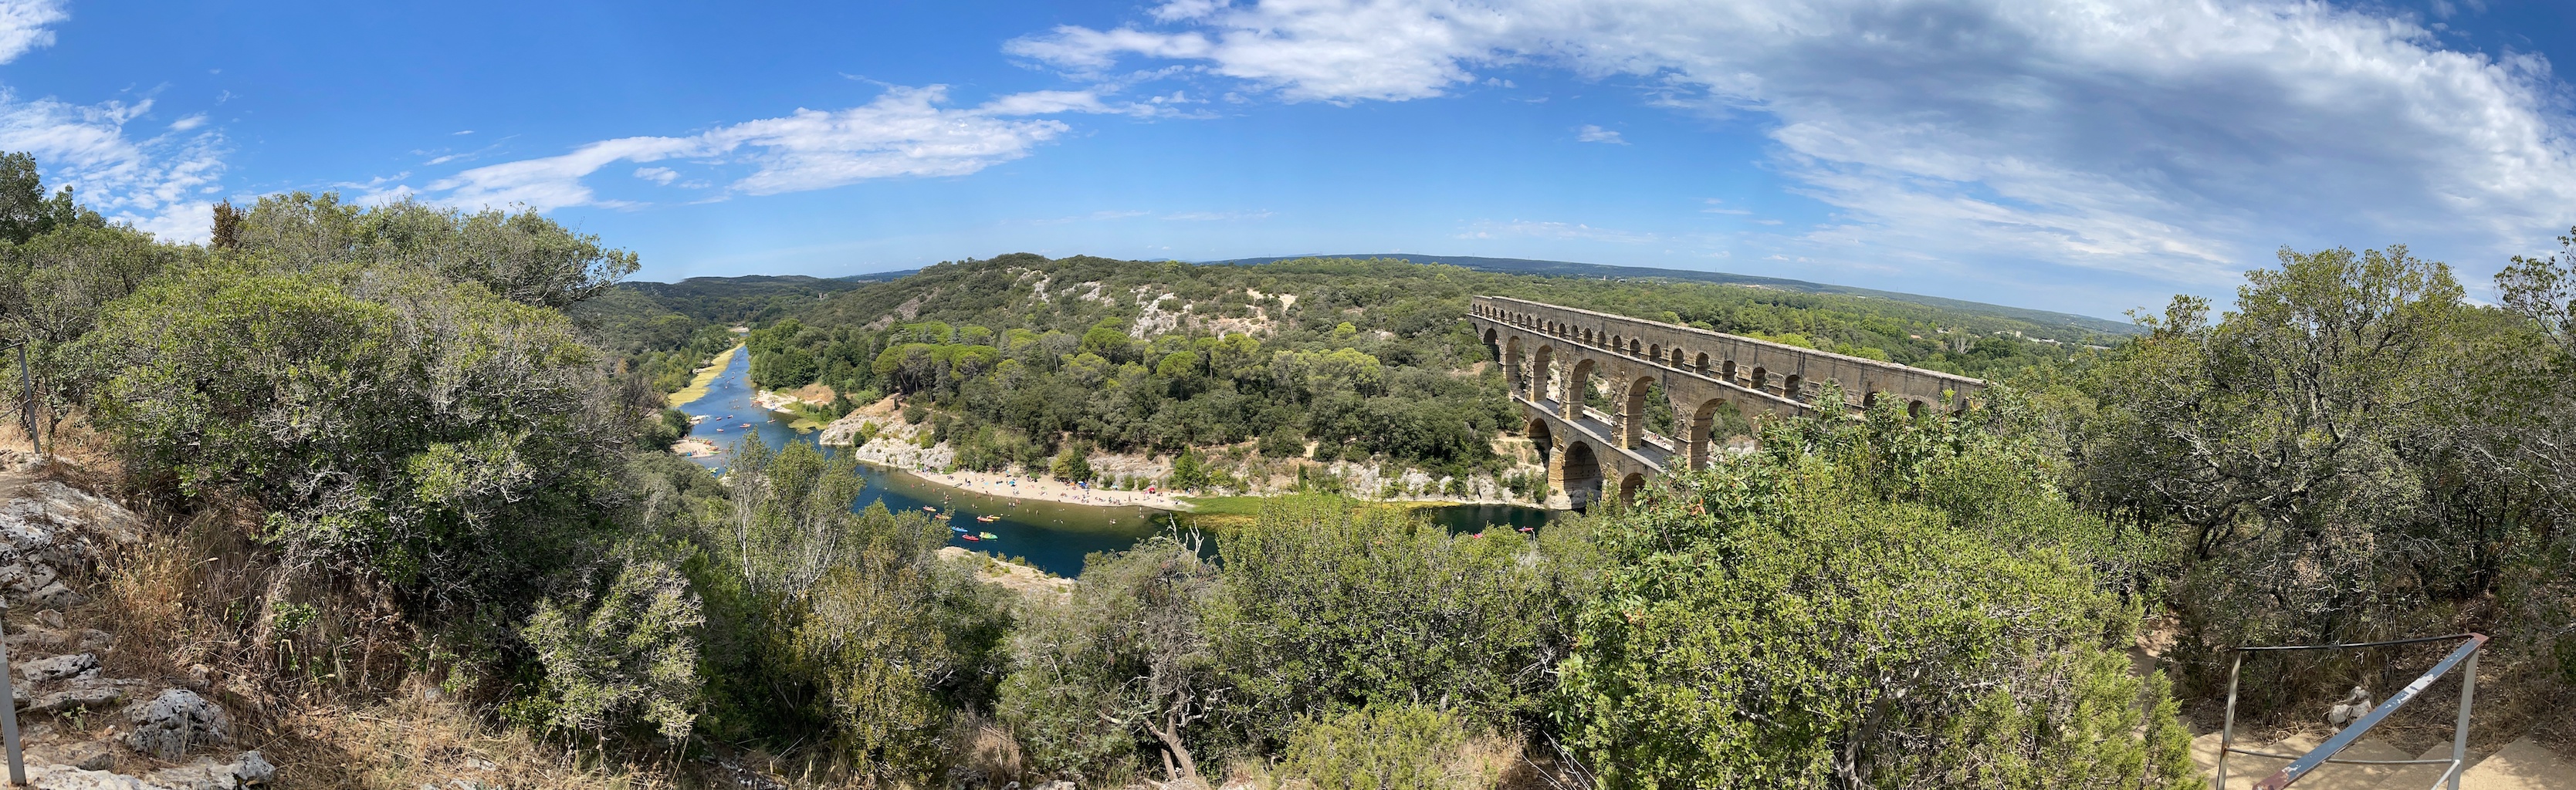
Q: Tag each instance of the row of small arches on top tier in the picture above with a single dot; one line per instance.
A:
(1792, 386)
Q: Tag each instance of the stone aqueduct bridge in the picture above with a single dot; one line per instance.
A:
(1551, 354)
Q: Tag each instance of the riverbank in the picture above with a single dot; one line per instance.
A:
(705, 378)
(1044, 490)
(1010, 575)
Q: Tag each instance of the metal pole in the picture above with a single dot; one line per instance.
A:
(9, 715)
(27, 390)
(2227, 730)
(2460, 736)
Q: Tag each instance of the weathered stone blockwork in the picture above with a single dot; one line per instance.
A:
(1551, 353)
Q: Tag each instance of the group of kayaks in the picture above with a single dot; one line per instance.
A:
(962, 534)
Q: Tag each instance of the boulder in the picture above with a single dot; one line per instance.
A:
(174, 722)
(243, 771)
(47, 670)
(65, 777)
(83, 694)
(47, 530)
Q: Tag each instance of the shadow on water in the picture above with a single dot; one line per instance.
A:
(1054, 537)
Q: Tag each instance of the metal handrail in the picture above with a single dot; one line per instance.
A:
(2301, 765)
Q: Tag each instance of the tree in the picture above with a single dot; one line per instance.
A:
(619, 651)
(1327, 605)
(1073, 463)
(1884, 605)
(1123, 668)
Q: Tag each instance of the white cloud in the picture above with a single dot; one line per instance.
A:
(157, 184)
(2178, 142)
(22, 25)
(1555, 230)
(1589, 133)
(904, 132)
(658, 175)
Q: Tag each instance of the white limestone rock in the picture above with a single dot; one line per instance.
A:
(247, 770)
(176, 721)
(47, 670)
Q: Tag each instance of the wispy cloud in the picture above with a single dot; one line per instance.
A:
(1589, 133)
(23, 26)
(2174, 141)
(158, 183)
(1556, 230)
(905, 132)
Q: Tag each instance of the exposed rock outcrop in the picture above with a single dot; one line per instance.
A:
(169, 725)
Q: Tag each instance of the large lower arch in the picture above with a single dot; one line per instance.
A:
(1715, 420)
(1543, 438)
(1578, 474)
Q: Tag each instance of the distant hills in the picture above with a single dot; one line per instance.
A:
(1594, 270)
(737, 298)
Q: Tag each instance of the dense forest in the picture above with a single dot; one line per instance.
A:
(1019, 357)
(406, 464)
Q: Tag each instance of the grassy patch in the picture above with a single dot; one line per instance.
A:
(706, 377)
(1221, 512)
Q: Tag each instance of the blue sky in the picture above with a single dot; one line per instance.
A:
(2085, 156)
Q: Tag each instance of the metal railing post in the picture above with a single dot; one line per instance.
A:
(2460, 735)
(9, 712)
(2227, 729)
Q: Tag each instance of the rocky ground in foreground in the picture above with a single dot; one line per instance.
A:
(84, 727)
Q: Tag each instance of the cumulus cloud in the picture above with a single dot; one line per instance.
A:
(22, 25)
(159, 184)
(1589, 133)
(2173, 141)
(904, 132)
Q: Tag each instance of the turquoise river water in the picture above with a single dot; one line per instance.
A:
(1051, 536)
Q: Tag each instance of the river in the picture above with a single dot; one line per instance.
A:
(1053, 537)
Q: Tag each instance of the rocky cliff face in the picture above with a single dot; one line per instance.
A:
(80, 728)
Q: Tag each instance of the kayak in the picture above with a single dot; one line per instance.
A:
(989, 536)
(929, 509)
(959, 530)
(970, 537)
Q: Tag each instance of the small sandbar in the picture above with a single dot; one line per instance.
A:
(706, 378)
(1044, 490)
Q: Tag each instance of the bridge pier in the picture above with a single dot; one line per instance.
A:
(1547, 351)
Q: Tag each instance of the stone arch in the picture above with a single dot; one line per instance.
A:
(1577, 473)
(1512, 371)
(1632, 410)
(1869, 400)
(1729, 375)
(1677, 356)
(1629, 486)
(1794, 386)
(1761, 378)
(1578, 386)
(1541, 437)
(1633, 348)
(1655, 350)
(1914, 409)
(1492, 336)
(1702, 441)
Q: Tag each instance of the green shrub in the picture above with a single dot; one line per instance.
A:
(1380, 747)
